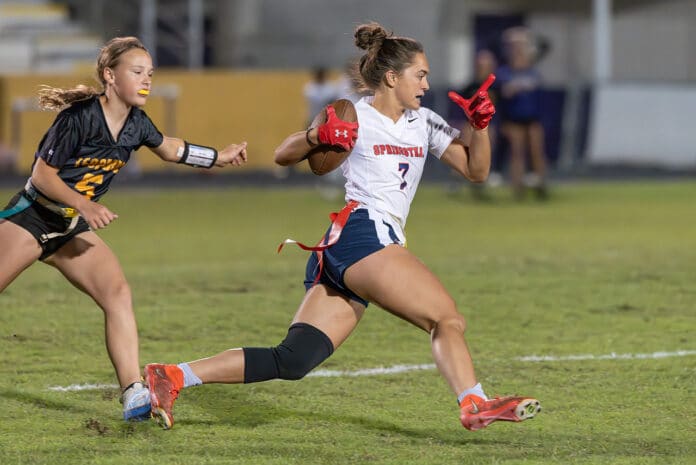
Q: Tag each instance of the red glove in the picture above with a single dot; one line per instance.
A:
(336, 131)
(479, 108)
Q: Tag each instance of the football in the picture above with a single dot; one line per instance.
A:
(326, 158)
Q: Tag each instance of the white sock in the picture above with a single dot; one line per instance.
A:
(190, 378)
(476, 390)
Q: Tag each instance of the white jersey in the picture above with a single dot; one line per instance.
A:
(386, 164)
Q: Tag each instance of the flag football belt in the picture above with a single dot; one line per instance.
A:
(22, 204)
(65, 212)
(338, 221)
(31, 195)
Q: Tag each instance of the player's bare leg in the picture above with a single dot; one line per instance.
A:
(322, 307)
(333, 313)
(18, 250)
(88, 263)
(418, 297)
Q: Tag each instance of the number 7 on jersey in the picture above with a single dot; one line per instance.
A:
(403, 167)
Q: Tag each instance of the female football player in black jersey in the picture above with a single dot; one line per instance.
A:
(54, 217)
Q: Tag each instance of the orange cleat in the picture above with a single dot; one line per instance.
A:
(164, 382)
(478, 413)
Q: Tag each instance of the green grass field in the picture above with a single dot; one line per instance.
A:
(600, 269)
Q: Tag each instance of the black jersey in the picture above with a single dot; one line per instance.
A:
(80, 145)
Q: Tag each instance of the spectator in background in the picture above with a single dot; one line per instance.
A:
(519, 85)
(319, 92)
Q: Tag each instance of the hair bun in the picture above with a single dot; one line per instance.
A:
(370, 36)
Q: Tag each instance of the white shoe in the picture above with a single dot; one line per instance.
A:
(136, 402)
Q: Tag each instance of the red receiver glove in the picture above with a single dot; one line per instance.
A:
(336, 131)
(479, 108)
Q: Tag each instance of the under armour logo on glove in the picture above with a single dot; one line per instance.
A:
(336, 131)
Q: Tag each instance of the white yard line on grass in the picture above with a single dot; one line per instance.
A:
(395, 369)
(82, 387)
(611, 356)
(372, 371)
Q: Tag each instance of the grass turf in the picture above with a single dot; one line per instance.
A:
(599, 269)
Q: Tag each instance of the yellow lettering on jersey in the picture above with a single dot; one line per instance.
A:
(106, 164)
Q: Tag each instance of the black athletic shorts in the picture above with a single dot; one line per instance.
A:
(40, 221)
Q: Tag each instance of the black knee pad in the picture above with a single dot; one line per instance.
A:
(303, 348)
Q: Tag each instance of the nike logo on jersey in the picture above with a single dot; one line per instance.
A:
(412, 120)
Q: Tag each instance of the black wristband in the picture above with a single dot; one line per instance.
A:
(311, 144)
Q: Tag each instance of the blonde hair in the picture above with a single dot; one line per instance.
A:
(384, 52)
(54, 98)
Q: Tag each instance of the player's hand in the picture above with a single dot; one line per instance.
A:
(479, 108)
(233, 154)
(96, 215)
(336, 131)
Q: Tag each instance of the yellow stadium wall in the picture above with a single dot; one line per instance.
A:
(213, 108)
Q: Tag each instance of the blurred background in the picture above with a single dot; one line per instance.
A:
(617, 92)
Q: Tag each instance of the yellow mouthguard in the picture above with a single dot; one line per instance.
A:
(143, 92)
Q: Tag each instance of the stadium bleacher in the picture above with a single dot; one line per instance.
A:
(39, 37)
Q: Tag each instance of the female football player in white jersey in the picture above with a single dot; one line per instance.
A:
(363, 250)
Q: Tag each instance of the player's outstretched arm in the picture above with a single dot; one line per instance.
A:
(295, 147)
(177, 150)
